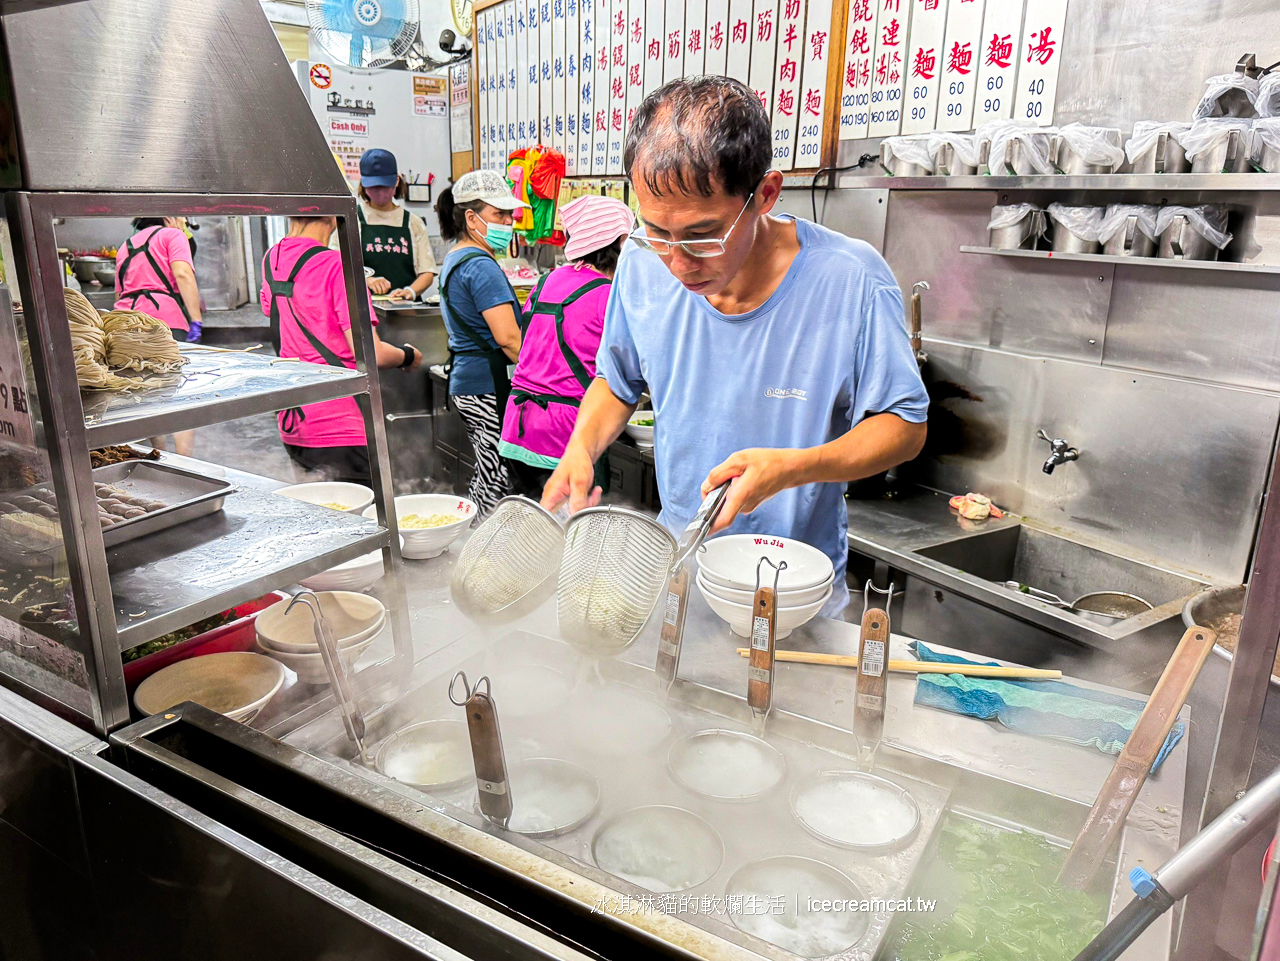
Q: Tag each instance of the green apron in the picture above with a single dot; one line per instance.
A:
(394, 261)
(496, 358)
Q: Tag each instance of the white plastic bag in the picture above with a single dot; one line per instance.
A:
(912, 149)
(1267, 129)
(1035, 142)
(1147, 132)
(965, 146)
(1094, 145)
(1209, 105)
(1268, 100)
(1209, 221)
(1208, 133)
(1117, 216)
(1084, 222)
(1011, 215)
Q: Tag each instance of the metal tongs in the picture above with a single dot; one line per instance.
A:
(873, 652)
(348, 707)
(486, 747)
(677, 593)
(764, 624)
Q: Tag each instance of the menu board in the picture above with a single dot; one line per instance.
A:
(512, 74)
(716, 39)
(546, 101)
(600, 108)
(786, 82)
(962, 51)
(738, 50)
(888, 68)
(571, 88)
(924, 65)
(586, 81)
(654, 18)
(498, 79)
(695, 25)
(855, 88)
(634, 26)
(673, 44)
(998, 69)
(559, 29)
(617, 83)
(812, 107)
(1039, 59)
(764, 45)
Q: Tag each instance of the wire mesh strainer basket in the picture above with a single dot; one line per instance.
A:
(507, 567)
(614, 568)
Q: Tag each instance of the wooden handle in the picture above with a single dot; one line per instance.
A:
(490, 762)
(1130, 771)
(873, 676)
(917, 667)
(915, 321)
(764, 624)
(676, 605)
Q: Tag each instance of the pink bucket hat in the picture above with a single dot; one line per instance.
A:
(593, 222)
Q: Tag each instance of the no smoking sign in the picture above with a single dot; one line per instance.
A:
(321, 76)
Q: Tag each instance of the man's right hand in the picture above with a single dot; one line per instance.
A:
(379, 285)
(573, 480)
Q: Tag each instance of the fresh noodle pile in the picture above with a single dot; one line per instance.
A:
(138, 341)
(88, 344)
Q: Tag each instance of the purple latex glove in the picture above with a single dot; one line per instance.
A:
(193, 332)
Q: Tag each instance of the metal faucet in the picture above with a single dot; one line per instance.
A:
(1061, 453)
(916, 312)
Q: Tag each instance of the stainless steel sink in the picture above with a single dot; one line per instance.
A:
(1058, 564)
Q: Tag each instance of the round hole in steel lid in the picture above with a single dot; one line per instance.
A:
(799, 928)
(726, 765)
(660, 848)
(429, 754)
(550, 796)
(855, 810)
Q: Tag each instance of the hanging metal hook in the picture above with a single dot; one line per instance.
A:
(468, 691)
(872, 589)
(777, 571)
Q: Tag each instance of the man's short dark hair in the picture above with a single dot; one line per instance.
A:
(699, 133)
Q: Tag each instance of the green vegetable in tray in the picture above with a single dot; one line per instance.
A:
(643, 422)
(176, 637)
(998, 900)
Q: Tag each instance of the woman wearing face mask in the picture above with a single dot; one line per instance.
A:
(481, 314)
(395, 242)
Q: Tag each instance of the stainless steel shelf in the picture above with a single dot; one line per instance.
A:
(1234, 182)
(213, 387)
(1127, 261)
(258, 542)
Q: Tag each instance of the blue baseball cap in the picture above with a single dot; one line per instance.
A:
(378, 168)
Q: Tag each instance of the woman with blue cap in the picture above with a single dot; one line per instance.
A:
(395, 242)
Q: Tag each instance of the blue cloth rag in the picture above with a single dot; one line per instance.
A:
(1052, 709)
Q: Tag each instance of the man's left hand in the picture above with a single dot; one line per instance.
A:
(757, 474)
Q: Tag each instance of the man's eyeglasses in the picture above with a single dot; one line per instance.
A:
(693, 248)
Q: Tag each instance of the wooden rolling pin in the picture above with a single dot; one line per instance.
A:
(920, 667)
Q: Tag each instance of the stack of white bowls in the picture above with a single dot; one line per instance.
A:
(355, 620)
(357, 574)
(727, 579)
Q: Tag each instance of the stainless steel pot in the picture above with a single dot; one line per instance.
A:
(1066, 161)
(897, 167)
(947, 164)
(83, 267)
(1022, 235)
(1017, 157)
(1165, 156)
(1180, 241)
(1066, 241)
(1129, 241)
(1263, 156)
(1203, 609)
(1229, 155)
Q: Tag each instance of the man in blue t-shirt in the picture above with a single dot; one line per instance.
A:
(774, 349)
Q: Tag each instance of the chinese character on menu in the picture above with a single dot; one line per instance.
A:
(926, 64)
(655, 49)
(559, 70)
(859, 43)
(851, 75)
(740, 32)
(634, 74)
(861, 11)
(790, 36)
(787, 71)
(673, 44)
(813, 102)
(1042, 49)
(1000, 51)
(616, 88)
(716, 37)
(894, 5)
(817, 43)
(601, 122)
(559, 126)
(895, 70)
(931, 4)
(617, 118)
(792, 10)
(637, 30)
(786, 102)
(889, 37)
(764, 26)
(694, 43)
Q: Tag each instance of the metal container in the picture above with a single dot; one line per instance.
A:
(1066, 241)
(1065, 159)
(84, 267)
(1022, 235)
(1182, 242)
(1017, 159)
(1229, 155)
(947, 164)
(1263, 156)
(896, 166)
(1165, 156)
(105, 276)
(1129, 241)
(1207, 606)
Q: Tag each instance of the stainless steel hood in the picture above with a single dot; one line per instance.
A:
(161, 96)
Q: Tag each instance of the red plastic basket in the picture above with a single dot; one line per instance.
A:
(239, 635)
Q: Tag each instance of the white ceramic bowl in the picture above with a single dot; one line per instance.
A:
(430, 541)
(352, 617)
(310, 667)
(738, 616)
(785, 598)
(235, 683)
(731, 560)
(353, 497)
(358, 574)
(641, 434)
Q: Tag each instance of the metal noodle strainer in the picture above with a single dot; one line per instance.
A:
(505, 569)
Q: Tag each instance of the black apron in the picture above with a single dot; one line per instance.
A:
(496, 358)
(394, 262)
(151, 293)
(292, 418)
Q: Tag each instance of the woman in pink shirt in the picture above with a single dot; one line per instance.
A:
(154, 274)
(562, 324)
(304, 294)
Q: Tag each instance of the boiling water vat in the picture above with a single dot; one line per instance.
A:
(526, 690)
(726, 765)
(855, 810)
(550, 796)
(800, 928)
(617, 723)
(662, 849)
(428, 754)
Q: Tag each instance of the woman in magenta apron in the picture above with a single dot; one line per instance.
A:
(562, 325)
(154, 274)
(305, 297)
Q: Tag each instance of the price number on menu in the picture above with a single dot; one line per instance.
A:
(1034, 107)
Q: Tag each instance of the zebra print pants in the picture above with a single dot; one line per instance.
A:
(480, 416)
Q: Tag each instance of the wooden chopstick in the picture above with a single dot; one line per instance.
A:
(918, 667)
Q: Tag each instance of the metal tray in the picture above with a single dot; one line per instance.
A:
(188, 494)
